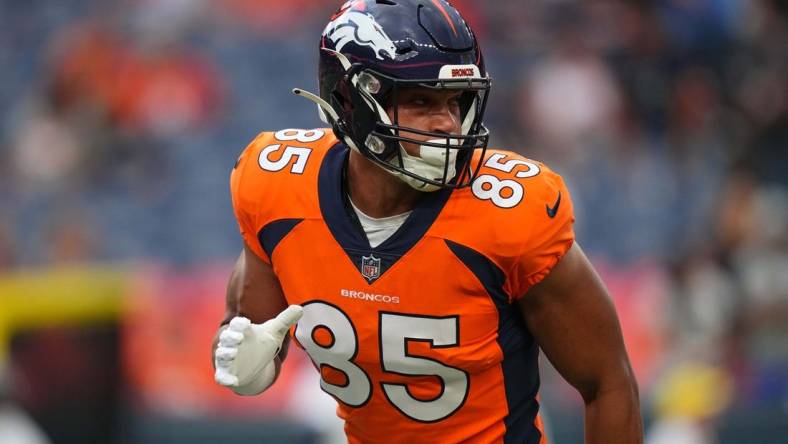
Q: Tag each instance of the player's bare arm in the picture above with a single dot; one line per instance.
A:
(575, 323)
(254, 296)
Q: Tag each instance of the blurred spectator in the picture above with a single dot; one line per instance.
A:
(160, 89)
(273, 18)
(571, 97)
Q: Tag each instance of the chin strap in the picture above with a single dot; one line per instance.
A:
(327, 115)
(322, 106)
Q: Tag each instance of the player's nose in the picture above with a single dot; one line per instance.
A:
(444, 120)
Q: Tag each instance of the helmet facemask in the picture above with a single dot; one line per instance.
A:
(362, 99)
(443, 159)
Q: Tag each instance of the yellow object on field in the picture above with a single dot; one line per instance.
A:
(693, 390)
(58, 297)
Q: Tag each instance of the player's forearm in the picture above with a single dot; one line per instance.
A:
(613, 417)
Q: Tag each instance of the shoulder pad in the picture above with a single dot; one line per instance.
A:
(275, 178)
(519, 214)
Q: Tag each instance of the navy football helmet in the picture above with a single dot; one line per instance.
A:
(372, 49)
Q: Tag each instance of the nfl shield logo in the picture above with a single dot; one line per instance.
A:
(370, 267)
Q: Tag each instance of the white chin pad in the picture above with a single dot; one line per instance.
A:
(434, 155)
(430, 164)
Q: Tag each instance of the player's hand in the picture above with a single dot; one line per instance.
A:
(246, 351)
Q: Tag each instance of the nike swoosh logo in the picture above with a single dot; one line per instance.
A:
(552, 211)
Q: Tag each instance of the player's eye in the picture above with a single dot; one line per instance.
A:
(419, 100)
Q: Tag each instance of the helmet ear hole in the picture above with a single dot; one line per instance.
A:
(342, 96)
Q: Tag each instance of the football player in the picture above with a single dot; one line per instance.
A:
(421, 271)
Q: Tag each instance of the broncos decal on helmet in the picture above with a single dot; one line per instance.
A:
(361, 28)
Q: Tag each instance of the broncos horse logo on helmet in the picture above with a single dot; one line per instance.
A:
(361, 28)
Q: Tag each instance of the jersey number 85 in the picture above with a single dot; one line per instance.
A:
(395, 330)
(503, 193)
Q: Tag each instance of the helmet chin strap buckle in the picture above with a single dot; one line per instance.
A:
(375, 144)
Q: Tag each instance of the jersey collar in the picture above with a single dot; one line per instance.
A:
(344, 226)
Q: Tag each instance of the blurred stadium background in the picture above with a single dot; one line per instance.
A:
(121, 119)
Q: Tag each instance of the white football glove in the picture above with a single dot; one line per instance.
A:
(245, 356)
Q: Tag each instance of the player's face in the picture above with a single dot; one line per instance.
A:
(427, 110)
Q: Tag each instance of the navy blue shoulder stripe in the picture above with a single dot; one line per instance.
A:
(520, 352)
(273, 233)
(488, 273)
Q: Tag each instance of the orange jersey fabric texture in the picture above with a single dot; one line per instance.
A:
(418, 339)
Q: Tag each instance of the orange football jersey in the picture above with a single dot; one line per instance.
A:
(418, 339)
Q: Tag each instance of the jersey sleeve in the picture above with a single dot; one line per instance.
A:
(274, 183)
(549, 233)
(245, 199)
